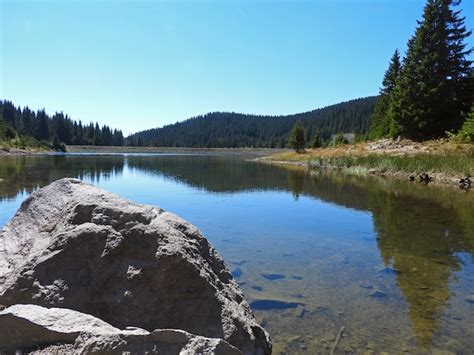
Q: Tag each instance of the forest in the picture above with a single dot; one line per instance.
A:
(229, 129)
(26, 128)
(430, 92)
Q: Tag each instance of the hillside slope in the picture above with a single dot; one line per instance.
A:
(229, 129)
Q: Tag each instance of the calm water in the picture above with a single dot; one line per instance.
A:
(391, 261)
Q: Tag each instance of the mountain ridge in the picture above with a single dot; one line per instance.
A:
(230, 129)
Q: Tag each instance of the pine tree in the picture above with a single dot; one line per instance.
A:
(340, 140)
(58, 145)
(381, 125)
(431, 95)
(3, 129)
(466, 133)
(316, 141)
(43, 132)
(297, 137)
(97, 135)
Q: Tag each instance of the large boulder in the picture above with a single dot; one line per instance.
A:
(72, 245)
(31, 328)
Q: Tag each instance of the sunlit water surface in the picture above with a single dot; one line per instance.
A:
(390, 261)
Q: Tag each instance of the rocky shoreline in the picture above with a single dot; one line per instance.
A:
(440, 179)
(84, 270)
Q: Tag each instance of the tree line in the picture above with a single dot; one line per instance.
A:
(229, 129)
(431, 90)
(32, 128)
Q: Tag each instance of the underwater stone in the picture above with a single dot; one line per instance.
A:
(273, 277)
(378, 294)
(470, 299)
(273, 304)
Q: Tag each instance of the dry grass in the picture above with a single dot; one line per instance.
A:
(383, 147)
(446, 159)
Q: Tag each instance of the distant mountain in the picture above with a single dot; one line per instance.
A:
(229, 129)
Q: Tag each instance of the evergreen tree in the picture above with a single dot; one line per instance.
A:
(466, 133)
(118, 138)
(9, 114)
(43, 132)
(381, 125)
(316, 142)
(297, 137)
(58, 145)
(3, 129)
(97, 135)
(431, 95)
(340, 140)
(27, 117)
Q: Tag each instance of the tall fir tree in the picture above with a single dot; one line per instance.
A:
(297, 137)
(382, 125)
(316, 140)
(43, 132)
(431, 95)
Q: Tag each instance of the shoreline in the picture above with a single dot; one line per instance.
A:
(445, 162)
(5, 152)
(87, 149)
(261, 152)
(439, 179)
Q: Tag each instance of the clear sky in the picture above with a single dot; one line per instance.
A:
(141, 64)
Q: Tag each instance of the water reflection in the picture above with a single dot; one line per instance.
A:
(25, 173)
(423, 234)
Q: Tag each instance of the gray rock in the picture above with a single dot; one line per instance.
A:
(72, 245)
(42, 330)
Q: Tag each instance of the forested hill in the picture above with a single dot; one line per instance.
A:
(229, 129)
(27, 128)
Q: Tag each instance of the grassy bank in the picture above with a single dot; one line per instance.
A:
(445, 161)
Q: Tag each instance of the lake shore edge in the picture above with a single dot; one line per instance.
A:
(445, 162)
(88, 149)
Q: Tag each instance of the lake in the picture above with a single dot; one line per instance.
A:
(391, 261)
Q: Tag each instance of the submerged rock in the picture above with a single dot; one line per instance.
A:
(378, 294)
(273, 304)
(31, 327)
(273, 277)
(72, 245)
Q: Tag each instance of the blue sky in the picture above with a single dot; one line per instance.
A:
(141, 64)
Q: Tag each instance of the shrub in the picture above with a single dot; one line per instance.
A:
(340, 140)
(466, 133)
